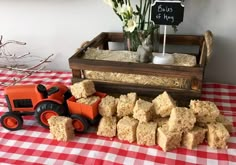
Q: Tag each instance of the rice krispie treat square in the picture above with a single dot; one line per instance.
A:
(125, 104)
(228, 125)
(89, 100)
(126, 129)
(61, 128)
(83, 89)
(107, 127)
(163, 104)
(107, 106)
(143, 110)
(181, 119)
(199, 124)
(161, 121)
(146, 133)
(217, 135)
(205, 111)
(168, 140)
(194, 137)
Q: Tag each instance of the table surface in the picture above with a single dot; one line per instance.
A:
(34, 144)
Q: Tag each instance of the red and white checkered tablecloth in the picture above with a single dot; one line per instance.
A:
(34, 144)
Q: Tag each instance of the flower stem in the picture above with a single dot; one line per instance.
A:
(149, 14)
(140, 15)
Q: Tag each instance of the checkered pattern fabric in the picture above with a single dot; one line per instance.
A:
(34, 144)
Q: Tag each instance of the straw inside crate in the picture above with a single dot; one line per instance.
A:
(127, 56)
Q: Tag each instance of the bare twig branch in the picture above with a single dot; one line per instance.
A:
(12, 42)
(25, 70)
(18, 63)
(1, 40)
(41, 62)
(21, 56)
(16, 80)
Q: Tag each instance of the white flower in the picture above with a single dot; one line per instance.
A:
(124, 9)
(131, 25)
(129, 9)
(109, 2)
(119, 9)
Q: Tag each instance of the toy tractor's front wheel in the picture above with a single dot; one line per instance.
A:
(12, 121)
(47, 109)
(80, 124)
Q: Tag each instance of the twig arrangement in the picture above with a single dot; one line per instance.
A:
(24, 63)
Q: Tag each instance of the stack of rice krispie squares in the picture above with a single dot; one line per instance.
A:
(189, 127)
(61, 127)
(134, 122)
(146, 129)
(135, 119)
(108, 123)
(169, 135)
(112, 109)
(84, 92)
(208, 117)
(162, 123)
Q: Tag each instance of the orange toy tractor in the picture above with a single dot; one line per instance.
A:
(44, 102)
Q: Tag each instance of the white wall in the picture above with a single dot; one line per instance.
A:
(60, 26)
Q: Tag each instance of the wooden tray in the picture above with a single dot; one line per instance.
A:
(194, 74)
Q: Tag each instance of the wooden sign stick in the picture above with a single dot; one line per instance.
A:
(166, 13)
(164, 42)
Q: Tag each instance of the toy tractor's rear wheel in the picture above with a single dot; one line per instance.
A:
(80, 124)
(12, 121)
(47, 109)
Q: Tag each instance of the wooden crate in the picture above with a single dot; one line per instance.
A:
(194, 74)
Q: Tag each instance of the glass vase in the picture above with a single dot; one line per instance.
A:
(156, 39)
(132, 40)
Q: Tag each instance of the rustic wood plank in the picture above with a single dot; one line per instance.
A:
(116, 37)
(137, 68)
(104, 46)
(203, 57)
(96, 42)
(170, 39)
(100, 39)
(121, 88)
(76, 73)
(183, 39)
(196, 84)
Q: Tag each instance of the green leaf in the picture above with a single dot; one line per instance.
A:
(138, 9)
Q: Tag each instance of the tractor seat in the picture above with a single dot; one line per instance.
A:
(52, 90)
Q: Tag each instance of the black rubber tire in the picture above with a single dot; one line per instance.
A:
(48, 106)
(82, 120)
(16, 116)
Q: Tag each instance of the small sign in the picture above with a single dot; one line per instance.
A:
(167, 12)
